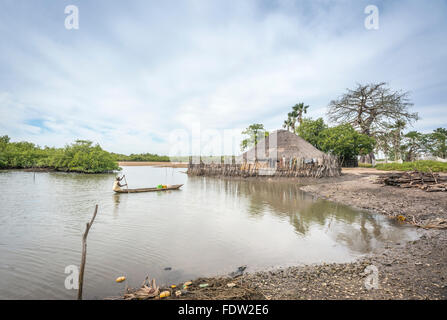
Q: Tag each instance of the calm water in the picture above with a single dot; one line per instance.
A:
(208, 227)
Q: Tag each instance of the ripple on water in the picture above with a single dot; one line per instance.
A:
(208, 227)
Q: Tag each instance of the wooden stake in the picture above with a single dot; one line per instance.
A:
(84, 253)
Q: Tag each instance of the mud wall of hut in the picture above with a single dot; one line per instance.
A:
(284, 167)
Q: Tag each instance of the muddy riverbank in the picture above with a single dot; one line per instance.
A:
(412, 270)
(358, 188)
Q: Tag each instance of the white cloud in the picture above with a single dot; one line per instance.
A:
(126, 79)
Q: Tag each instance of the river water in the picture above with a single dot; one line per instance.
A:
(208, 227)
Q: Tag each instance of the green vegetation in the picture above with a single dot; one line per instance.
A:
(81, 156)
(141, 157)
(365, 165)
(436, 142)
(371, 120)
(310, 130)
(342, 141)
(374, 109)
(179, 159)
(345, 142)
(422, 165)
(298, 110)
(408, 147)
(255, 132)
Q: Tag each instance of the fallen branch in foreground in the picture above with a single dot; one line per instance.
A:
(429, 182)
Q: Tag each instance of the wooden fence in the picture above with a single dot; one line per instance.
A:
(284, 167)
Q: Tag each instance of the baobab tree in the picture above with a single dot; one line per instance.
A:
(371, 108)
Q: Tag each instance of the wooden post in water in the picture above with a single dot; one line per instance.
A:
(84, 253)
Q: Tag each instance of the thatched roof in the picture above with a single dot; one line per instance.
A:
(283, 143)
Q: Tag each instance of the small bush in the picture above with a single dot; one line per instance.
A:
(422, 165)
(365, 165)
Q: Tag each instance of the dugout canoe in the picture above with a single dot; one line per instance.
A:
(173, 187)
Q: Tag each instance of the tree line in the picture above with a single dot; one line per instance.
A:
(80, 156)
(141, 157)
(366, 120)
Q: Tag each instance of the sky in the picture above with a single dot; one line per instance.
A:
(137, 73)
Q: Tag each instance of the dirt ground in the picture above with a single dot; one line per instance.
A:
(411, 270)
(357, 189)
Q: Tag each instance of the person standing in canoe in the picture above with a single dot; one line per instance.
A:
(117, 185)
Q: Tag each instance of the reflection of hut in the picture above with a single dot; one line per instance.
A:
(281, 154)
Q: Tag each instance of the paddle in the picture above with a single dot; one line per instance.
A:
(127, 186)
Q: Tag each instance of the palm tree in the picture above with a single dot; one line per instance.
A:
(383, 143)
(291, 116)
(413, 146)
(288, 124)
(299, 110)
(438, 142)
(398, 127)
(295, 116)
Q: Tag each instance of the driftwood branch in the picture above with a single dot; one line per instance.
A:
(84, 253)
(430, 182)
(148, 290)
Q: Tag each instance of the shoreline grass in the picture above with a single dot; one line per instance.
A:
(421, 165)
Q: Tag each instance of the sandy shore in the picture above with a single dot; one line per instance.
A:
(153, 163)
(411, 270)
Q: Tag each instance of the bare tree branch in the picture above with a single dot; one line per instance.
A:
(371, 107)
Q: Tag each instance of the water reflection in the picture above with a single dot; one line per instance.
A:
(210, 226)
(359, 231)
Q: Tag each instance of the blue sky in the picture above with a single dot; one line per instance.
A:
(135, 71)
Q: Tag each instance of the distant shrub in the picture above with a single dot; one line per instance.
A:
(365, 165)
(140, 157)
(422, 165)
(83, 156)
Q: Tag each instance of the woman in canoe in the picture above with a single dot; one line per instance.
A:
(117, 185)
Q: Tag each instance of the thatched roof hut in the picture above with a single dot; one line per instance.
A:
(282, 144)
(282, 154)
